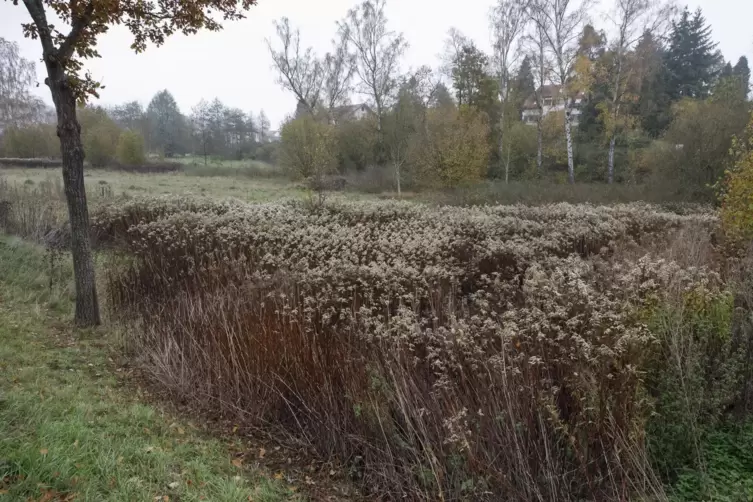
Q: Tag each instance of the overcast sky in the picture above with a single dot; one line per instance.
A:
(234, 64)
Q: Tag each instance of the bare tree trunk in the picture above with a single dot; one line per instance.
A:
(502, 141)
(615, 114)
(610, 164)
(69, 132)
(397, 177)
(569, 139)
(540, 145)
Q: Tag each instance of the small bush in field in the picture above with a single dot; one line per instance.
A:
(308, 148)
(99, 134)
(130, 150)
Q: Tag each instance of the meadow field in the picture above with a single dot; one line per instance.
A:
(433, 352)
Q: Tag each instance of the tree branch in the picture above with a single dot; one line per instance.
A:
(78, 25)
(36, 11)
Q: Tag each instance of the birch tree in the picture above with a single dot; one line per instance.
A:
(377, 54)
(535, 45)
(64, 47)
(631, 19)
(560, 23)
(315, 82)
(508, 19)
(201, 127)
(299, 70)
(17, 76)
(339, 69)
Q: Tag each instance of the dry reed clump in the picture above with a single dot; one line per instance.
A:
(31, 211)
(489, 353)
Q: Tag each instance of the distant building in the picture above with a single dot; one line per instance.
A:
(553, 101)
(351, 112)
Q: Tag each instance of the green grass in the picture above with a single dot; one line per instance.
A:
(70, 430)
(194, 181)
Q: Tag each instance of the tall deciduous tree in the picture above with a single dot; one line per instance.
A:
(166, 124)
(535, 46)
(339, 69)
(508, 19)
(561, 22)
(263, 126)
(377, 54)
(632, 20)
(63, 53)
(313, 81)
(407, 118)
(299, 70)
(471, 79)
(17, 75)
(131, 116)
(201, 128)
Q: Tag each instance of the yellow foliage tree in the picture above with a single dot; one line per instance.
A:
(130, 149)
(454, 148)
(308, 150)
(737, 193)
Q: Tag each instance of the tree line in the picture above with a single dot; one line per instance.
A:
(211, 130)
(647, 97)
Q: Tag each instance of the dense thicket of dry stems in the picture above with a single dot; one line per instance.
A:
(489, 353)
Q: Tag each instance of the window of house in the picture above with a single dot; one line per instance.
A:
(547, 101)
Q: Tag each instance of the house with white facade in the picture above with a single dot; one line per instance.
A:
(351, 112)
(553, 100)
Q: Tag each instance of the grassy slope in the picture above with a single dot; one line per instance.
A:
(68, 432)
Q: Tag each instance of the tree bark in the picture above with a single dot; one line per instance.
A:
(397, 178)
(610, 164)
(540, 145)
(502, 140)
(72, 150)
(569, 139)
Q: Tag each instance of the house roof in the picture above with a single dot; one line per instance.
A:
(348, 111)
(546, 91)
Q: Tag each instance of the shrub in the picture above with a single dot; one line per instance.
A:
(35, 141)
(737, 193)
(700, 137)
(99, 134)
(307, 148)
(130, 151)
(453, 149)
(356, 144)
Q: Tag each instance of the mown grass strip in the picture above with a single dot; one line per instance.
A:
(68, 431)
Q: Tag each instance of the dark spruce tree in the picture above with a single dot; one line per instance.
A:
(692, 60)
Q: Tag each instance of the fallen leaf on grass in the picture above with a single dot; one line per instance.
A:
(44, 451)
(262, 452)
(237, 462)
(279, 476)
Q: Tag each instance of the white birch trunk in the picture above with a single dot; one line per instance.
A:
(397, 177)
(610, 164)
(540, 146)
(569, 139)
